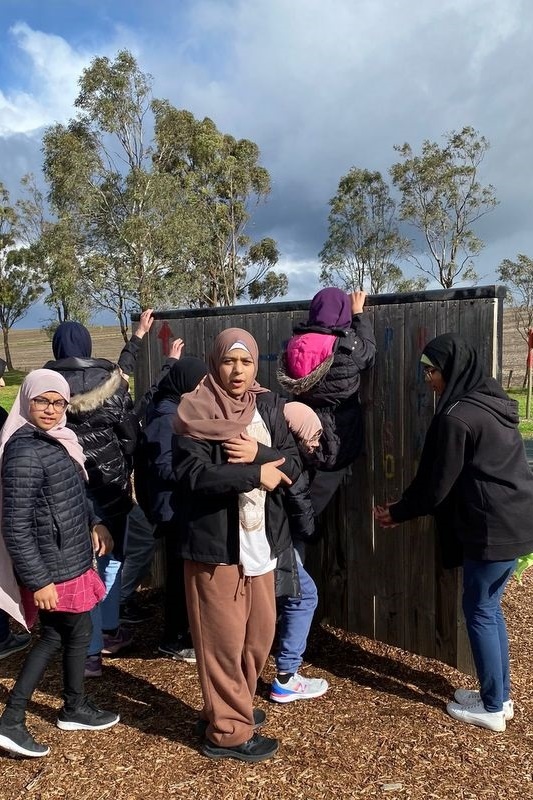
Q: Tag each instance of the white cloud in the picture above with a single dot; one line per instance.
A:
(49, 75)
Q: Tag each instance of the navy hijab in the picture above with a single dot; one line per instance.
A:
(72, 340)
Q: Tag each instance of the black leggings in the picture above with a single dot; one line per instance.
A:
(59, 629)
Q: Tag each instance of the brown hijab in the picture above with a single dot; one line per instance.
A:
(209, 412)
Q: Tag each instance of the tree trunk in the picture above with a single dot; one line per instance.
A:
(9, 362)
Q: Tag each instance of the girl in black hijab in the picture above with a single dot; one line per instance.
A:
(156, 473)
(474, 479)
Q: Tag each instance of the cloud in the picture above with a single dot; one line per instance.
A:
(49, 76)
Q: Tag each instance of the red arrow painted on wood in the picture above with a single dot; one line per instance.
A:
(165, 334)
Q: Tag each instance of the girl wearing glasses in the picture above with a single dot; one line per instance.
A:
(46, 553)
(474, 479)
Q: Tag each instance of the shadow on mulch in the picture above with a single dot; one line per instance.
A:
(335, 652)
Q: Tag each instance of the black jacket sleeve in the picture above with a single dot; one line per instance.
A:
(364, 352)
(299, 509)
(441, 464)
(128, 355)
(194, 464)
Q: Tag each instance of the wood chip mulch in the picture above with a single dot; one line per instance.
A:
(381, 731)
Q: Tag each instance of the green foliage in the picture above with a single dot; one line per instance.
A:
(220, 179)
(523, 563)
(443, 198)
(20, 280)
(148, 224)
(363, 241)
(519, 276)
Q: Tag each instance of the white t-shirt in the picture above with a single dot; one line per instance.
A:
(255, 554)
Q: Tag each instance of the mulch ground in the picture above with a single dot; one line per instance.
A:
(381, 731)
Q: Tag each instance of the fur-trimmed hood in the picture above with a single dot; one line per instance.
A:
(92, 381)
(297, 386)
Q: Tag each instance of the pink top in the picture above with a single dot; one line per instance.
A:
(306, 351)
(75, 596)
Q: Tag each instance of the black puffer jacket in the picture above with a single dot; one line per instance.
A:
(209, 514)
(101, 414)
(46, 517)
(332, 391)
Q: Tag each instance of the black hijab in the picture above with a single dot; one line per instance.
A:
(460, 367)
(182, 377)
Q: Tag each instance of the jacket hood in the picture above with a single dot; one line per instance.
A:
(302, 385)
(491, 398)
(92, 381)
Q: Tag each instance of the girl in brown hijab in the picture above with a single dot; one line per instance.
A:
(233, 456)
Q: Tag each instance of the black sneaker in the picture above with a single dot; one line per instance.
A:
(132, 613)
(258, 748)
(200, 726)
(17, 739)
(14, 643)
(87, 717)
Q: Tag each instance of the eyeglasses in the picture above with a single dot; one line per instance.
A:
(42, 403)
(428, 372)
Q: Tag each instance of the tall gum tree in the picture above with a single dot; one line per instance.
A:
(442, 197)
(364, 243)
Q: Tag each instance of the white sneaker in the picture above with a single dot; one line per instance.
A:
(467, 696)
(298, 688)
(476, 714)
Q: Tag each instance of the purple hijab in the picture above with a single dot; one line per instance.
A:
(330, 308)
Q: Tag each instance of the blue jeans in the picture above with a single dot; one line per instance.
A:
(483, 587)
(296, 616)
(4, 626)
(106, 615)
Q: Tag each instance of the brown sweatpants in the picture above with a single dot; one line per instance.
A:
(232, 620)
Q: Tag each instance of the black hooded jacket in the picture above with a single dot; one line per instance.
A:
(101, 414)
(332, 391)
(474, 478)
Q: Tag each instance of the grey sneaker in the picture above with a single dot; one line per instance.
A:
(178, 651)
(14, 643)
(468, 696)
(17, 739)
(476, 714)
(88, 717)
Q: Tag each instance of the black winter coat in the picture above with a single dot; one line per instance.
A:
(157, 470)
(332, 391)
(209, 489)
(46, 517)
(101, 414)
(474, 479)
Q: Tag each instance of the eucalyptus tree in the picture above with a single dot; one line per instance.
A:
(364, 243)
(222, 182)
(442, 196)
(20, 279)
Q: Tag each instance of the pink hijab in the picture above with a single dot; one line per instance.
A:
(35, 383)
(209, 411)
(304, 423)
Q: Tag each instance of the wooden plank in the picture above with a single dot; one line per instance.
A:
(389, 550)
(420, 537)
(360, 564)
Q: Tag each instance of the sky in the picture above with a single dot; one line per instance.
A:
(319, 85)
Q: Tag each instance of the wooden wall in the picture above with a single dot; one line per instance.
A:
(385, 584)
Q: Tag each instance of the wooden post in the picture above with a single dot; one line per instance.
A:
(529, 371)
